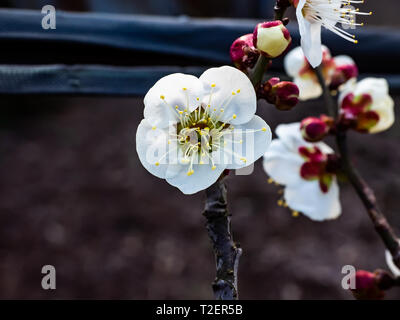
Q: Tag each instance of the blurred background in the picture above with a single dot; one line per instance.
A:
(73, 194)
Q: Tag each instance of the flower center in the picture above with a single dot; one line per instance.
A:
(315, 167)
(199, 134)
(356, 110)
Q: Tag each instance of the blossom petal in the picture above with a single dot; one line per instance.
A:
(378, 88)
(282, 165)
(255, 137)
(389, 261)
(310, 37)
(294, 61)
(308, 89)
(385, 110)
(343, 60)
(308, 198)
(151, 146)
(233, 97)
(182, 90)
(202, 177)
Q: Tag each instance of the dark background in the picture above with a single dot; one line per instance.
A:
(73, 194)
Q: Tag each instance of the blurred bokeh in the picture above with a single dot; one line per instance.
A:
(73, 194)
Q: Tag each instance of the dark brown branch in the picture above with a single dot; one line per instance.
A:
(227, 253)
(367, 196)
(280, 8)
(365, 193)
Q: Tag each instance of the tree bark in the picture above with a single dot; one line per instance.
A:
(227, 253)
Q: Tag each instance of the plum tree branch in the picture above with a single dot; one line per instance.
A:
(365, 193)
(227, 253)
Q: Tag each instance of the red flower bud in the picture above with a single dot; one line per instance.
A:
(243, 53)
(272, 38)
(367, 286)
(314, 129)
(283, 94)
(343, 74)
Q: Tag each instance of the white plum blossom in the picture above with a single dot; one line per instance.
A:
(297, 66)
(313, 14)
(302, 168)
(195, 128)
(368, 103)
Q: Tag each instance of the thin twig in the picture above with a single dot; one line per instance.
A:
(227, 253)
(330, 104)
(280, 8)
(368, 198)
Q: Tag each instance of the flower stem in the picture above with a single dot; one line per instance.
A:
(259, 71)
(227, 253)
(365, 193)
(330, 103)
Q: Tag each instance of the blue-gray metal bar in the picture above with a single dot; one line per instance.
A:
(84, 80)
(190, 40)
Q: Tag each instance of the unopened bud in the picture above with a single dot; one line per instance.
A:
(367, 286)
(272, 38)
(243, 53)
(283, 94)
(314, 129)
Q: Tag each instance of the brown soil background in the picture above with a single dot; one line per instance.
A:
(73, 194)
